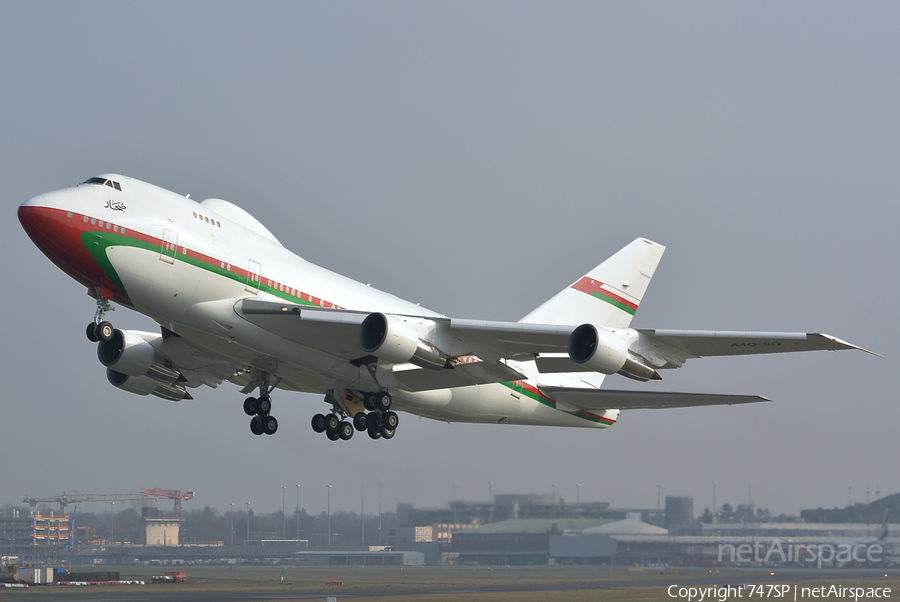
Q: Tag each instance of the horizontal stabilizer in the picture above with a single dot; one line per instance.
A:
(603, 399)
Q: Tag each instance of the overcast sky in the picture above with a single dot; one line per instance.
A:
(477, 157)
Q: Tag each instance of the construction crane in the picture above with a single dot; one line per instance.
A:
(73, 498)
(178, 496)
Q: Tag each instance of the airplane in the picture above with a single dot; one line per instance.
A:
(235, 305)
(845, 553)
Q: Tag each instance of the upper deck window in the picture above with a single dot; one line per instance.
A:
(103, 182)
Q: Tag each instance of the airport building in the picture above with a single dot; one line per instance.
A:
(33, 535)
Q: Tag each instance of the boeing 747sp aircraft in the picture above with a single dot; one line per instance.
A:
(234, 305)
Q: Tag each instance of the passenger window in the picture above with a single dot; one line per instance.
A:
(69, 214)
(93, 221)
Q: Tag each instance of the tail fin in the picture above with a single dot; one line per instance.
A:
(609, 294)
(883, 533)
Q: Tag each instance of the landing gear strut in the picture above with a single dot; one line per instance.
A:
(259, 408)
(99, 329)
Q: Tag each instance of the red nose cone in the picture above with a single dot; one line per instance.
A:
(32, 214)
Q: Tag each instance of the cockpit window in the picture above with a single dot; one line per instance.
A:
(103, 182)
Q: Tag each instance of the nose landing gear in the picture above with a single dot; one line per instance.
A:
(99, 329)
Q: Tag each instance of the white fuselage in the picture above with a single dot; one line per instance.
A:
(184, 264)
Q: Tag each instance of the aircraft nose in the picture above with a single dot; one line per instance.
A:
(32, 214)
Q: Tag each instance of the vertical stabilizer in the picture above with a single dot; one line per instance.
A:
(608, 295)
(883, 534)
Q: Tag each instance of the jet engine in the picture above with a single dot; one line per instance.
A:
(390, 338)
(130, 353)
(144, 385)
(600, 350)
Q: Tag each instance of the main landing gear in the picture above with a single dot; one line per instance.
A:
(378, 422)
(259, 407)
(99, 329)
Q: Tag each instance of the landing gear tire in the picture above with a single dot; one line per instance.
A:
(318, 423)
(269, 425)
(331, 423)
(250, 406)
(332, 435)
(390, 420)
(91, 333)
(255, 426)
(368, 399)
(345, 431)
(359, 421)
(263, 404)
(374, 419)
(382, 401)
(105, 331)
(374, 432)
(388, 433)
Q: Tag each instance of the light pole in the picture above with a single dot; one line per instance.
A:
(232, 524)
(578, 494)
(298, 512)
(490, 492)
(112, 525)
(248, 524)
(283, 517)
(329, 516)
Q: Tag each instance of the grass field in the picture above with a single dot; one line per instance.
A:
(443, 584)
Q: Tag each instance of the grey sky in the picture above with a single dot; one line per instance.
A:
(477, 158)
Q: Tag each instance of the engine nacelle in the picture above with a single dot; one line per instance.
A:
(144, 385)
(389, 338)
(598, 350)
(129, 353)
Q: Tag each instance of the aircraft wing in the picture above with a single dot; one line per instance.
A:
(489, 344)
(677, 346)
(336, 332)
(583, 398)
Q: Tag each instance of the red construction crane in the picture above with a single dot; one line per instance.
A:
(170, 494)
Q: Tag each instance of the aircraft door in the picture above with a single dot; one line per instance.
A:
(169, 246)
(253, 271)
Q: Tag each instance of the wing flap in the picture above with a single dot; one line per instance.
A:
(605, 399)
(462, 375)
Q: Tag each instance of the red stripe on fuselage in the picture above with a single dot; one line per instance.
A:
(59, 238)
